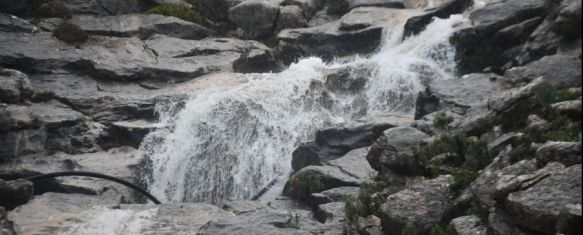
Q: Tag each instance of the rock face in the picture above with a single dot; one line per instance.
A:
(17, 7)
(14, 86)
(421, 206)
(468, 225)
(102, 58)
(10, 23)
(107, 7)
(394, 151)
(15, 193)
(358, 32)
(417, 24)
(567, 153)
(141, 25)
(561, 71)
(539, 206)
(255, 18)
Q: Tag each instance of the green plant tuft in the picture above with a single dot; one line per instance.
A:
(471, 153)
(177, 10)
(305, 183)
(337, 7)
(442, 120)
(410, 230)
(70, 33)
(561, 128)
(463, 179)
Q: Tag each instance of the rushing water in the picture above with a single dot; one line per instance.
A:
(228, 142)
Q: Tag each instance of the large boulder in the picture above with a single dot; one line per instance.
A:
(567, 153)
(394, 151)
(139, 60)
(538, 208)
(462, 93)
(107, 7)
(568, 23)
(562, 71)
(309, 7)
(421, 206)
(334, 142)
(255, 18)
(15, 193)
(217, 10)
(14, 86)
(18, 7)
(358, 32)
(417, 24)
(477, 48)
(142, 25)
(290, 16)
(468, 225)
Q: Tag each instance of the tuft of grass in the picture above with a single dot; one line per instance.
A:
(470, 153)
(561, 128)
(337, 7)
(177, 10)
(463, 179)
(552, 95)
(410, 230)
(442, 120)
(305, 183)
(369, 202)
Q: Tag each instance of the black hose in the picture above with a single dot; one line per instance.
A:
(95, 175)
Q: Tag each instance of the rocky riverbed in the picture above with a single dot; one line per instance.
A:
(291, 116)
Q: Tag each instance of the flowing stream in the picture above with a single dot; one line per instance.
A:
(230, 141)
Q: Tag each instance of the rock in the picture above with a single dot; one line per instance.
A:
(336, 141)
(570, 220)
(462, 93)
(399, 4)
(559, 70)
(354, 163)
(334, 195)
(316, 179)
(487, 21)
(255, 18)
(217, 10)
(17, 7)
(507, 184)
(333, 40)
(140, 60)
(538, 207)
(394, 151)
(14, 86)
(21, 142)
(309, 7)
(331, 212)
(349, 79)
(290, 16)
(242, 207)
(321, 18)
(142, 25)
(567, 153)
(267, 222)
(499, 144)
(15, 193)
(53, 114)
(133, 132)
(477, 121)
(421, 206)
(6, 226)
(570, 108)
(120, 162)
(15, 117)
(370, 225)
(568, 23)
(417, 24)
(10, 23)
(107, 7)
(500, 223)
(468, 225)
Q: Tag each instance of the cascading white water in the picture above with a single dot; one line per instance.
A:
(228, 142)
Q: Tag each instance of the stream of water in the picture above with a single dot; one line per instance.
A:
(228, 142)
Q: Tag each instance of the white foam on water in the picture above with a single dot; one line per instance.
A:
(101, 220)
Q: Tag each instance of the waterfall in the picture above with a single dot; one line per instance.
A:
(229, 141)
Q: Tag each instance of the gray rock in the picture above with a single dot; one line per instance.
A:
(463, 93)
(255, 18)
(370, 225)
(477, 121)
(22, 142)
(102, 57)
(417, 24)
(15, 193)
(331, 212)
(560, 70)
(54, 114)
(217, 10)
(119, 162)
(309, 7)
(421, 206)
(18, 7)
(290, 16)
(468, 225)
(142, 25)
(567, 153)
(399, 4)
(336, 141)
(107, 7)
(570, 108)
(15, 117)
(6, 226)
(10, 23)
(134, 131)
(487, 21)
(394, 151)
(14, 86)
(334, 40)
(354, 163)
(500, 223)
(570, 220)
(334, 195)
(242, 207)
(538, 207)
(321, 18)
(568, 23)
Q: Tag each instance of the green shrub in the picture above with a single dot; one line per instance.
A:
(70, 32)
(305, 183)
(337, 7)
(551, 95)
(177, 10)
(470, 153)
(463, 179)
(522, 149)
(442, 120)
(410, 230)
(561, 128)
